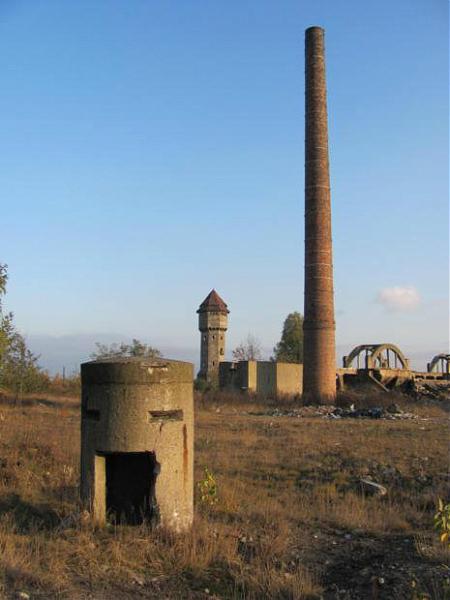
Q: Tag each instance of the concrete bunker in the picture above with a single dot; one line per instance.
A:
(137, 441)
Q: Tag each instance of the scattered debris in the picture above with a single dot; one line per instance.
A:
(246, 547)
(392, 412)
(371, 487)
(375, 412)
(137, 579)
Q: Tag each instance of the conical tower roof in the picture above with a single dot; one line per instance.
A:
(213, 303)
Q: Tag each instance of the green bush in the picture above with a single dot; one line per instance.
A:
(19, 369)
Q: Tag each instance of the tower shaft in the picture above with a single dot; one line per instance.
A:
(319, 378)
(213, 324)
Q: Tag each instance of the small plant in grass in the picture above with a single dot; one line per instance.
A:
(207, 488)
(417, 593)
(442, 522)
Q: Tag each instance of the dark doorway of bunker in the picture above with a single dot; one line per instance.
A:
(130, 487)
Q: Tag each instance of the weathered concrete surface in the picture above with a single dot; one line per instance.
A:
(319, 378)
(213, 324)
(289, 378)
(385, 378)
(268, 378)
(238, 375)
(132, 406)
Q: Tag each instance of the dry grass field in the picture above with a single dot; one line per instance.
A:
(291, 520)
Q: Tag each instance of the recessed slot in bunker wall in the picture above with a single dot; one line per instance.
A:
(130, 487)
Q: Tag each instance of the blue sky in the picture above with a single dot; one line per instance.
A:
(154, 150)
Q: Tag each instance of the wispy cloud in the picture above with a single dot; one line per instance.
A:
(399, 298)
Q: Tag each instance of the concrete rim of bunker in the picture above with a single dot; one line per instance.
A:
(136, 369)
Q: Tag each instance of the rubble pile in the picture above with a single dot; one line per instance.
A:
(302, 411)
(392, 412)
(430, 390)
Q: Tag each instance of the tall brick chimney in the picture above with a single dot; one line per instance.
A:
(319, 369)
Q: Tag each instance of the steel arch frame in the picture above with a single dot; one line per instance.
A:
(373, 353)
(431, 367)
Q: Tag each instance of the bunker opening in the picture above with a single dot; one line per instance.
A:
(130, 487)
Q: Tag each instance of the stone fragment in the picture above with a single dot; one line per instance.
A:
(371, 487)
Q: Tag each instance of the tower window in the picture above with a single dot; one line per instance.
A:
(221, 351)
(214, 364)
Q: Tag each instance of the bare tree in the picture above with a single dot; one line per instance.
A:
(248, 350)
